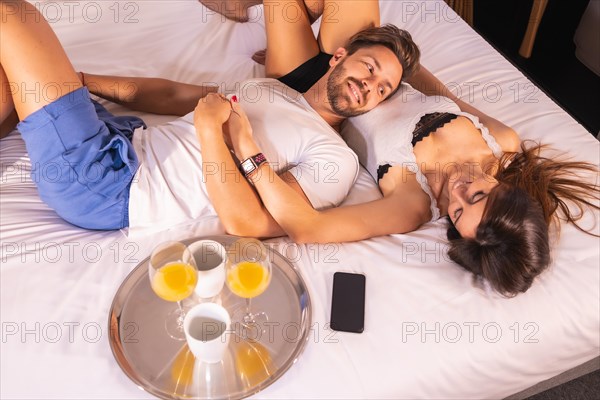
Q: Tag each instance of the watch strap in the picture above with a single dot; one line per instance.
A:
(251, 164)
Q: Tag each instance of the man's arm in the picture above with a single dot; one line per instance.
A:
(153, 95)
(238, 205)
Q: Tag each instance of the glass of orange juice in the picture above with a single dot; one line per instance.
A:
(248, 274)
(173, 276)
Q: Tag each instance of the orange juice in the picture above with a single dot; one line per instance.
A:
(248, 279)
(175, 281)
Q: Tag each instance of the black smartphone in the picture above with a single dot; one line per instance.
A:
(348, 302)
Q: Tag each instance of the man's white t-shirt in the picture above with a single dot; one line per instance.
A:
(169, 187)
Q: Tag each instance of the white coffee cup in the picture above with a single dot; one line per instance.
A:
(206, 328)
(210, 259)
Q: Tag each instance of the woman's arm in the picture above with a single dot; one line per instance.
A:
(428, 84)
(401, 211)
(506, 137)
(404, 208)
(153, 95)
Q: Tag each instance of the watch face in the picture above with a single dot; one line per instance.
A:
(248, 166)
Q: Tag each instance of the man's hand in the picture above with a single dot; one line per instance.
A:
(211, 113)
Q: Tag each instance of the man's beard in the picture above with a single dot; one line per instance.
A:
(336, 86)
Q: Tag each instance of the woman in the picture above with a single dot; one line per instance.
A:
(433, 159)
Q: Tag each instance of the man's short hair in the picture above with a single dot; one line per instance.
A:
(398, 40)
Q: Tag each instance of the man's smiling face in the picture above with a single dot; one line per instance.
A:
(362, 80)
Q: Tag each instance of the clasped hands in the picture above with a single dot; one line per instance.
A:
(214, 114)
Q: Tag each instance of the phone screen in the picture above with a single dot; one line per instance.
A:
(348, 302)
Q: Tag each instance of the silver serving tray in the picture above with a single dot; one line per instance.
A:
(254, 359)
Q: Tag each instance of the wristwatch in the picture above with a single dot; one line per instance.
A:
(251, 164)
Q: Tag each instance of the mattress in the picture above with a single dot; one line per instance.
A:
(429, 331)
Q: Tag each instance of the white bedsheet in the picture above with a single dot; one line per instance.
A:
(429, 333)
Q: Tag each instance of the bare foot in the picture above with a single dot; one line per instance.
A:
(260, 56)
(236, 10)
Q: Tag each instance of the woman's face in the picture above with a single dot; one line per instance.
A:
(468, 196)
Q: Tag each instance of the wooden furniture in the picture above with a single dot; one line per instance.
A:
(464, 8)
(537, 12)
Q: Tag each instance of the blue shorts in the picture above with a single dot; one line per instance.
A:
(82, 160)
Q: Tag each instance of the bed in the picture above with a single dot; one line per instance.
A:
(429, 331)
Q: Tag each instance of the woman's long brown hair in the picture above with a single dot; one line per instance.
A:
(511, 246)
(552, 182)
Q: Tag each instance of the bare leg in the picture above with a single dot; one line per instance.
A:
(314, 9)
(33, 59)
(7, 105)
(236, 10)
(289, 36)
(341, 20)
(8, 114)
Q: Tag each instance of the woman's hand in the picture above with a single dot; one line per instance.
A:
(240, 131)
(211, 113)
(238, 123)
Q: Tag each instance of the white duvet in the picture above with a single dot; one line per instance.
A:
(429, 332)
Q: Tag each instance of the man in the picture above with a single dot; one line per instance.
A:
(168, 187)
(340, 78)
(297, 129)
